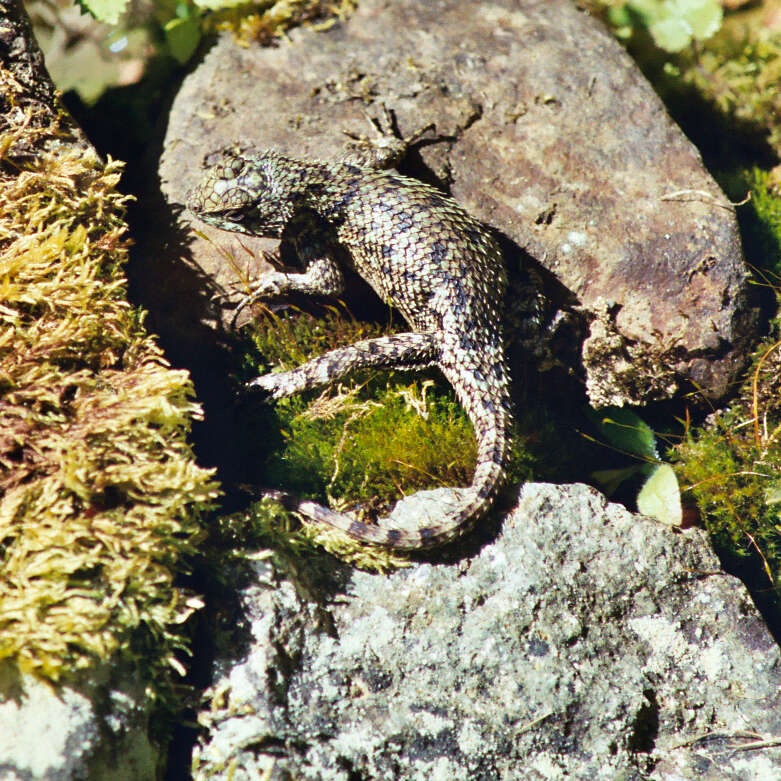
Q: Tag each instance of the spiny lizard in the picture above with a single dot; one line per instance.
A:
(422, 253)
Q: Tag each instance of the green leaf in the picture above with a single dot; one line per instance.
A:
(660, 497)
(671, 34)
(107, 11)
(626, 431)
(674, 23)
(182, 36)
(703, 16)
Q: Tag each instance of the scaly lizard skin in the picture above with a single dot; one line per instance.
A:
(422, 253)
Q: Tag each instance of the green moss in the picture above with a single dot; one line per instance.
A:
(731, 467)
(100, 497)
(760, 222)
(738, 72)
(290, 339)
(377, 439)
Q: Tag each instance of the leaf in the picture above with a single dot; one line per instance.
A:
(674, 23)
(703, 16)
(183, 37)
(660, 497)
(107, 11)
(671, 34)
(626, 431)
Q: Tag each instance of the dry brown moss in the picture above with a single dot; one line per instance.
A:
(99, 493)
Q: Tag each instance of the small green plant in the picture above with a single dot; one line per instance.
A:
(673, 24)
(184, 22)
(626, 432)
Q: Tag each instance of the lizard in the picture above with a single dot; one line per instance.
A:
(422, 253)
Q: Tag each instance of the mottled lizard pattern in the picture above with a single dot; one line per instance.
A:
(422, 253)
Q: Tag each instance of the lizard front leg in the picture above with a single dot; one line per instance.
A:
(408, 349)
(322, 277)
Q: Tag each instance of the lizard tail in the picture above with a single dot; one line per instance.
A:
(488, 410)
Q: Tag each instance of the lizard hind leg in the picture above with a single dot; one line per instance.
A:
(412, 349)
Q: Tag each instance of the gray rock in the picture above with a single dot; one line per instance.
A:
(585, 642)
(543, 128)
(97, 731)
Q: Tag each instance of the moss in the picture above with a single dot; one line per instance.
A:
(760, 223)
(266, 530)
(731, 467)
(735, 480)
(374, 439)
(99, 494)
(738, 72)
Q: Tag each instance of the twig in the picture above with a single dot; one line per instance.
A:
(705, 196)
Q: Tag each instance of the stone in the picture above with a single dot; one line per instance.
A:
(543, 128)
(584, 642)
(97, 730)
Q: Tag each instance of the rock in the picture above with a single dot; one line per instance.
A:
(585, 642)
(94, 732)
(543, 128)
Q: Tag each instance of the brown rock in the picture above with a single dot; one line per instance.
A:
(544, 129)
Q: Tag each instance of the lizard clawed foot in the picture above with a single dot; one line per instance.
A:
(268, 285)
(261, 390)
(388, 147)
(264, 385)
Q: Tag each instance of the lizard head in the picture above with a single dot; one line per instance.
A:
(240, 192)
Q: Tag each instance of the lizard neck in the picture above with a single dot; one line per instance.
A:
(326, 188)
